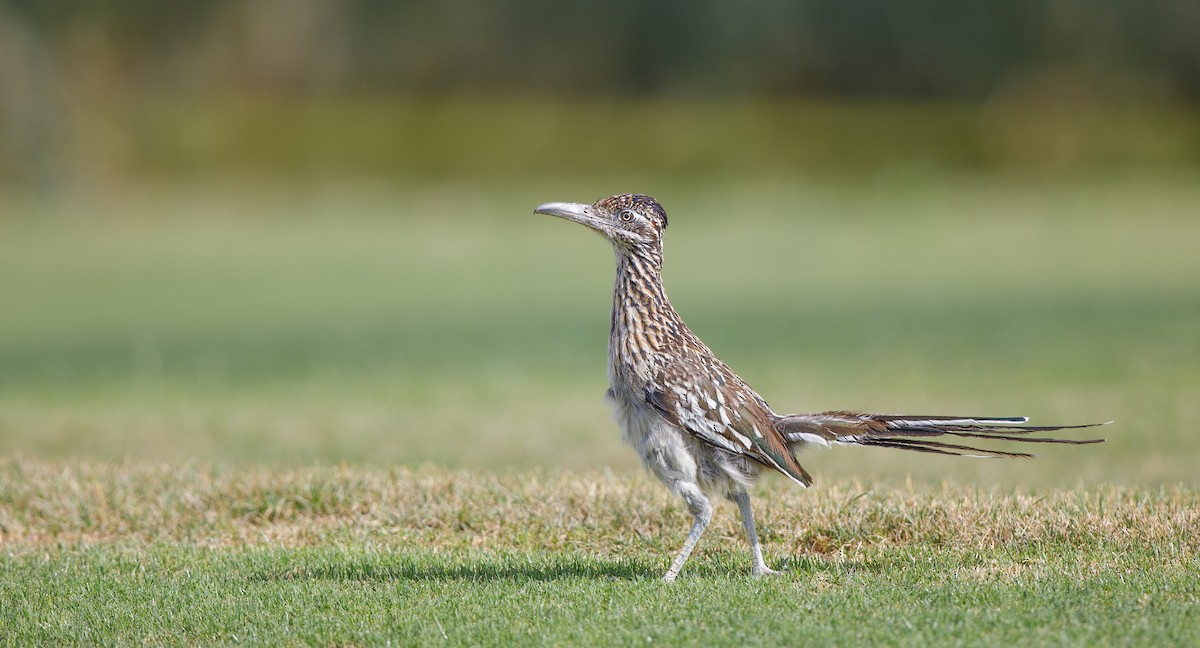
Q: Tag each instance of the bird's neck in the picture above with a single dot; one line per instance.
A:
(642, 318)
(638, 284)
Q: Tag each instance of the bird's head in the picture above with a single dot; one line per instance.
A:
(629, 221)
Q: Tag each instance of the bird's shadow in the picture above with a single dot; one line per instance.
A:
(462, 568)
(524, 568)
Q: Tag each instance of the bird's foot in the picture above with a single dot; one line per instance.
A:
(669, 577)
(762, 571)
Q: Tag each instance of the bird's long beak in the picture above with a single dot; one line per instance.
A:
(579, 213)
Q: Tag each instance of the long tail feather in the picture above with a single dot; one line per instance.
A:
(914, 432)
(943, 448)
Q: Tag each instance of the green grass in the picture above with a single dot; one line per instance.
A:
(447, 324)
(169, 594)
(135, 553)
(180, 368)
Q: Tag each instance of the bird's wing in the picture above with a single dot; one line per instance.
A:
(723, 413)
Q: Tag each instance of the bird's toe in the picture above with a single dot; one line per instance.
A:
(764, 571)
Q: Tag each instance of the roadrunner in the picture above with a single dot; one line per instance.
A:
(699, 427)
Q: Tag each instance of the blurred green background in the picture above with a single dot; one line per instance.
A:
(299, 231)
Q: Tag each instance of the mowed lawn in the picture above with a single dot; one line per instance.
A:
(355, 413)
(167, 554)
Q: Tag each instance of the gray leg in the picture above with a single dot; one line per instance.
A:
(701, 510)
(743, 501)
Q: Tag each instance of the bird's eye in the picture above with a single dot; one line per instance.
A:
(626, 216)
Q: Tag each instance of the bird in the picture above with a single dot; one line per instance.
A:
(697, 426)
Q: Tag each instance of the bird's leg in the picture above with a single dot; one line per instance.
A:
(743, 501)
(701, 510)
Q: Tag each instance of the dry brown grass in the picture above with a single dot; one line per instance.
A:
(64, 503)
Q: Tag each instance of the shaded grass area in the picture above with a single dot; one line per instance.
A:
(157, 554)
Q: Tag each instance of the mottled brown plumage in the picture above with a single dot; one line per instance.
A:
(695, 423)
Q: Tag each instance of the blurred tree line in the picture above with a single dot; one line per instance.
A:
(873, 48)
(105, 56)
